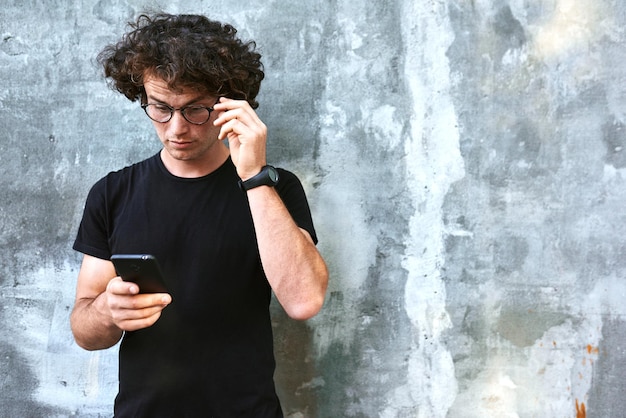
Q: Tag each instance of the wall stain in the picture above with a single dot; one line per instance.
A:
(592, 351)
(581, 410)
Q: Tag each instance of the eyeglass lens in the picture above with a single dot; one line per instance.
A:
(163, 113)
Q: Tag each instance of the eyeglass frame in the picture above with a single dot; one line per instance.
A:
(144, 106)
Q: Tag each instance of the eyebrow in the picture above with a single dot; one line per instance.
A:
(190, 102)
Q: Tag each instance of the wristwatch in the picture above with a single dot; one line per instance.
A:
(268, 176)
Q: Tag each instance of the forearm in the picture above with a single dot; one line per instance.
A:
(293, 266)
(92, 329)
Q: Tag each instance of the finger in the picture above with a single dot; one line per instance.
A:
(236, 109)
(135, 312)
(140, 323)
(230, 115)
(147, 301)
(227, 104)
(118, 286)
(126, 314)
(138, 302)
(233, 126)
(161, 299)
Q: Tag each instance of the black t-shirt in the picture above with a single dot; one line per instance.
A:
(211, 352)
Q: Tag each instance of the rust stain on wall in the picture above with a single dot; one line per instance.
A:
(581, 410)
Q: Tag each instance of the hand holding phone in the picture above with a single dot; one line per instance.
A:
(142, 269)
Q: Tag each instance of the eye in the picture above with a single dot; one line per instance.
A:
(195, 110)
(161, 108)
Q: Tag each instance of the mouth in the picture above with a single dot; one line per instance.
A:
(180, 143)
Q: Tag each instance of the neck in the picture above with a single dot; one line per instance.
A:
(195, 168)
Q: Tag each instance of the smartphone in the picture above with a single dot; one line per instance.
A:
(142, 269)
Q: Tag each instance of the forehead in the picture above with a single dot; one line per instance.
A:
(158, 88)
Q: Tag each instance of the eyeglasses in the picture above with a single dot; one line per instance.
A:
(162, 113)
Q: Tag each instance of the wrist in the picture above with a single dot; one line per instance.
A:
(103, 312)
(248, 174)
(267, 176)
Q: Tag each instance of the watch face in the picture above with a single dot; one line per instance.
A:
(273, 174)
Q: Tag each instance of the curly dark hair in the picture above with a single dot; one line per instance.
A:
(185, 51)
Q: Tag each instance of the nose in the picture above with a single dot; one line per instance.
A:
(178, 124)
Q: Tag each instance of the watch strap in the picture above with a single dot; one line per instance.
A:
(268, 176)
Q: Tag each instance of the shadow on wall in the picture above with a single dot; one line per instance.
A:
(18, 380)
(292, 348)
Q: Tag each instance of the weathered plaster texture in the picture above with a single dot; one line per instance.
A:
(465, 164)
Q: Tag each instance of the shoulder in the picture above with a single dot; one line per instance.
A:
(118, 178)
(141, 167)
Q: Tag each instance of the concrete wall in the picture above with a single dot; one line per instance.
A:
(465, 164)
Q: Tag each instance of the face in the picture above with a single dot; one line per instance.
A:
(184, 142)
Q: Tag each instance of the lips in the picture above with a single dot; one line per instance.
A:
(180, 144)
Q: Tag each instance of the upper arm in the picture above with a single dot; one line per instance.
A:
(292, 194)
(307, 235)
(93, 330)
(93, 278)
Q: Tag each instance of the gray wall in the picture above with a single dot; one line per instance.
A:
(465, 164)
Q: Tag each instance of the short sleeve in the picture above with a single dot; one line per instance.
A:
(290, 190)
(92, 236)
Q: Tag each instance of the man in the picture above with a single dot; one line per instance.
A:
(225, 232)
